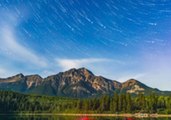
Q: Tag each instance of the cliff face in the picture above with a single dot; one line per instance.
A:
(73, 83)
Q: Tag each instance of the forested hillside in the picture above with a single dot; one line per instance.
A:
(11, 102)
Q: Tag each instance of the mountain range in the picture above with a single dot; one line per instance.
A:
(77, 83)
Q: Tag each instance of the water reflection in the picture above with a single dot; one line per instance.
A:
(4, 117)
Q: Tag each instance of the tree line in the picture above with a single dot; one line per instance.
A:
(11, 102)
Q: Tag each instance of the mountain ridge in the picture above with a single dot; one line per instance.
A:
(74, 83)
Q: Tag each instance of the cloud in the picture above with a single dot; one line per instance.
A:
(12, 48)
(66, 64)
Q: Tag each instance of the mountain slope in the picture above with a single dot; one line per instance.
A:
(74, 83)
(20, 83)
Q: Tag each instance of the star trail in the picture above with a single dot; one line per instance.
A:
(118, 39)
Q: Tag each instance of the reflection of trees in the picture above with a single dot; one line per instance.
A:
(36, 118)
(69, 118)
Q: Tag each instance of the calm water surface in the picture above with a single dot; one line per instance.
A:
(10, 117)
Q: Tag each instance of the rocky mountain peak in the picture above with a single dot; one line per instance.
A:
(134, 87)
(129, 82)
(85, 72)
(81, 73)
(14, 78)
(20, 75)
(33, 80)
(73, 83)
(34, 77)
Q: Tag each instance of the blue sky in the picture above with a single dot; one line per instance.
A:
(113, 38)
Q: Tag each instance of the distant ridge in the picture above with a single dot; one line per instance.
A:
(75, 83)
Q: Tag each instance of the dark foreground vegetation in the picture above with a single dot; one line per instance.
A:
(11, 102)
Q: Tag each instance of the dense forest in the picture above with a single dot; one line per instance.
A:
(11, 102)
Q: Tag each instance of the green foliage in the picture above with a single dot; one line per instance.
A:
(15, 102)
(11, 102)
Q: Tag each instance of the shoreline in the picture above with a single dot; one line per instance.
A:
(136, 115)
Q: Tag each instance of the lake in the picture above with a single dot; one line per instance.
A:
(12, 117)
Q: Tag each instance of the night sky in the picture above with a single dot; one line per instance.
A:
(118, 39)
